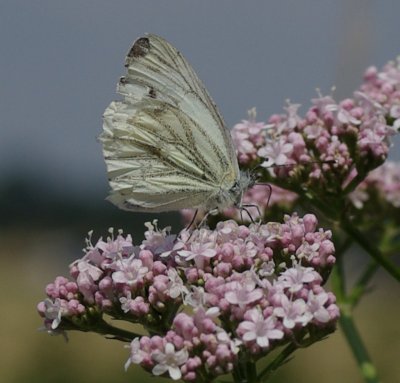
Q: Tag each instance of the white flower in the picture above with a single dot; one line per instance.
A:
(316, 304)
(54, 311)
(293, 312)
(275, 152)
(233, 344)
(267, 269)
(308, 251)
(169, 360)
(137, 355)
(345, 117)
(175, 286)
(197, 298)
(126, 302)
(87, 273)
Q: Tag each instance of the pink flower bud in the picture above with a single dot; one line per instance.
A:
(146, 256)
(310, 223)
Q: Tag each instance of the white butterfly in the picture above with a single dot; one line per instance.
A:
(165, 144)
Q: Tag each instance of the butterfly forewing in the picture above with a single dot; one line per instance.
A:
(165, 144)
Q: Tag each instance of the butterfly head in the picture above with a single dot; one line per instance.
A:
(232, 195)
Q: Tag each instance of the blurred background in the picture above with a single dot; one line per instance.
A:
(59, 64)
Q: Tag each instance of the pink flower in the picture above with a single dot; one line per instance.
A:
(276, 152)
(332, 139)
(242, 295)
(259, 329)
(199, 252)
(384, 181)
(247, 136)
(113, 247)
(295, 277)
(130, 271)
(157, 241)
(234, 274)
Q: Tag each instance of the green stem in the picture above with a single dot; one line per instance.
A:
(393, 250)
(346, 322)
(353, 338)
(352, 231)
(338, 281)
(338, 278)
(251, 372)
(245, 371)
(360, 286)
(276, 363)
(354, 183)
(104, 328)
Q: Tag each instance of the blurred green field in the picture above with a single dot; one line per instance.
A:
(31, 258)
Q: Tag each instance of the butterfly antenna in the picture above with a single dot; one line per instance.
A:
(269, 186)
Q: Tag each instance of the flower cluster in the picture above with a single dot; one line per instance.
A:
(332, 144)
(207, 298)
(383, 182)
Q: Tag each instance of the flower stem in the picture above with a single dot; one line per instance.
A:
(353, 338)
(276, 363)
(354, 183)
(352, 231)
(246, 371)
(361, 285)
(346, 322)
(103, 328)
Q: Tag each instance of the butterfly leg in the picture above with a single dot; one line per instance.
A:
(192, 221)
(204, 219)
(244, 208)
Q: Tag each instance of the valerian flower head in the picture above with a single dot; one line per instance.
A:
(383, 184)
(210, 295)
(326, 153)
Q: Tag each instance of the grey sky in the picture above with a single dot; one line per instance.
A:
(60, 61)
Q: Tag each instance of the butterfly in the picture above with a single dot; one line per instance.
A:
(165, 144)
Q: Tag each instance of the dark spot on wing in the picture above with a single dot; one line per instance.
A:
(123, 80)
(152, 93)
(158, 112)
(155, 150)
(140, 48)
